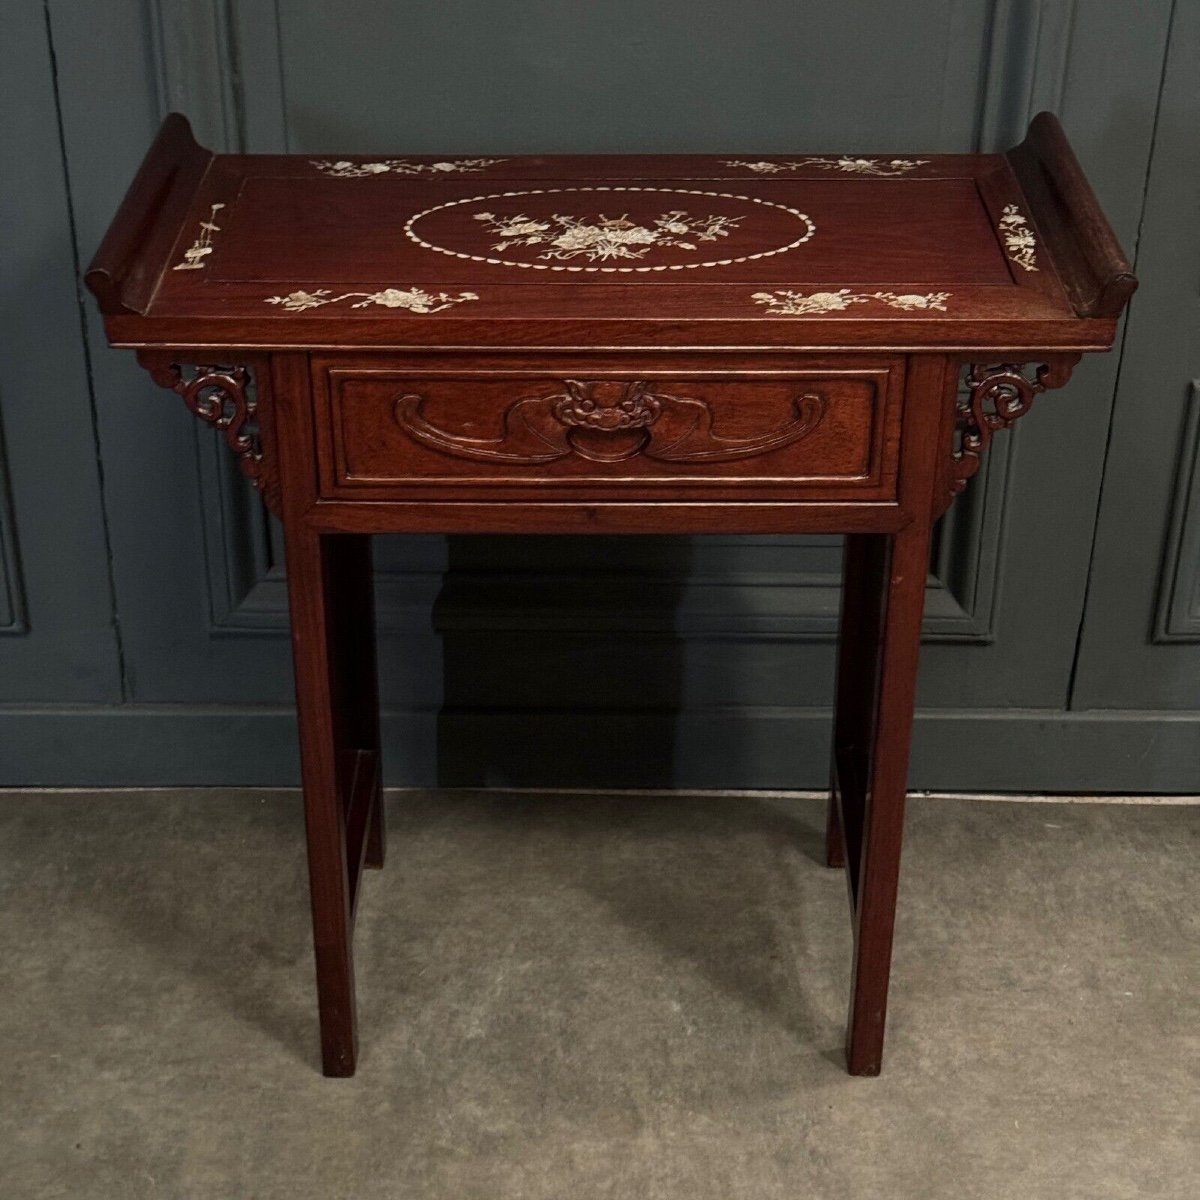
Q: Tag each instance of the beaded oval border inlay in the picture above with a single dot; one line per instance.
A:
(809, 226)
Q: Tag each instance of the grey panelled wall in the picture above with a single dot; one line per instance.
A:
(57, 637)
(142, 622)
(1141, 636)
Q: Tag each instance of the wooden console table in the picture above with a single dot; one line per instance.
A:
(639, 344)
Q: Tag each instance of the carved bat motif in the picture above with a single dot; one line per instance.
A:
(607, 421)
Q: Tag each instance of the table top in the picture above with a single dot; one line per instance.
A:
(805, 250)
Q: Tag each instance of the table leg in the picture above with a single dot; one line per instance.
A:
(863, 571)
(329, 587)
(835, 849)
(883, 602)
(356, 705)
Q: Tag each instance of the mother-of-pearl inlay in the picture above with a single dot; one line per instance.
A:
(1018, 238)
(797, 304)
(584, 243)
(846, 164)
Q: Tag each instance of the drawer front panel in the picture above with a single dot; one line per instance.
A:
(391, 430)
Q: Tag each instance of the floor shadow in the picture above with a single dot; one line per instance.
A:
(709, 883)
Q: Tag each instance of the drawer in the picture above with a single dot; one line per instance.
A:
(826, 429)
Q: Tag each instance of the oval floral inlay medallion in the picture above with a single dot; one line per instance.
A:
(610, 230)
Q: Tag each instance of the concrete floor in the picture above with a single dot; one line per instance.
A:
(567, 998)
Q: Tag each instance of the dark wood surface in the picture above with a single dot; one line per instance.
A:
(446, 429)
(667, 344)
(610, 250)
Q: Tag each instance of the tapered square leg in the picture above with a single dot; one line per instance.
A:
(329, 587)
(883, 602)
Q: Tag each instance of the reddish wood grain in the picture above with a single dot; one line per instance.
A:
(655, 429)
(299, 257)
(128, 265)
(1095, 271)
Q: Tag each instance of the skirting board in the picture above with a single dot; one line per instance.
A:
(982, 750)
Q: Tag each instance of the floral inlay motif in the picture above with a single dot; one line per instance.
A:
(845, 164)
(414, 299)
(345, 169)
(201, 248)
(1018, 238)
(592, 242)
(796, 304)
(601, 238)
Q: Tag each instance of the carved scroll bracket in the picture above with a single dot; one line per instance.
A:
(997, 395)
(222, 397)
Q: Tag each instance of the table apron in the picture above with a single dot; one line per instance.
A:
(577, 517)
